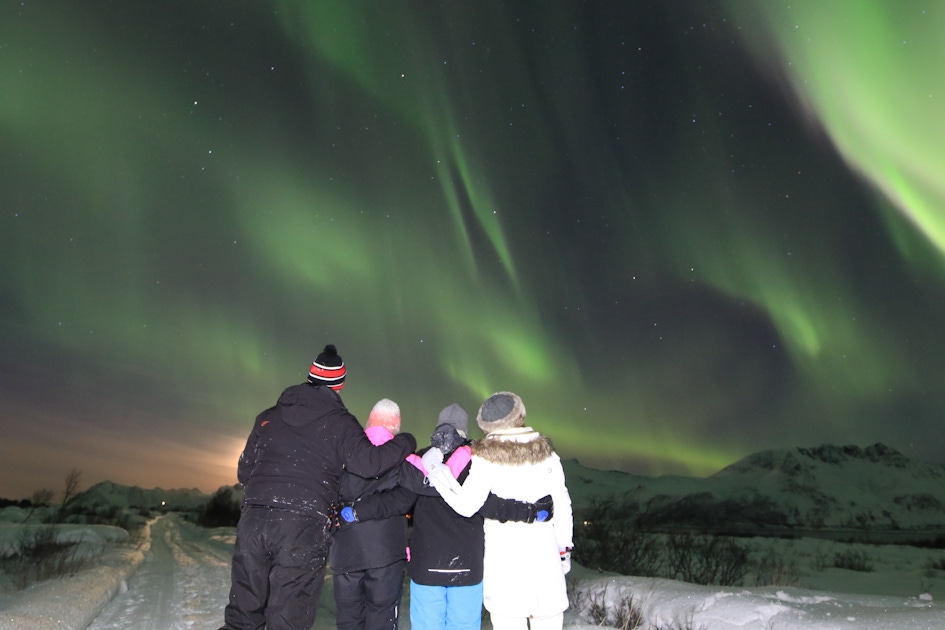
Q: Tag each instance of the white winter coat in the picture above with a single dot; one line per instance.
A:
(522, 572)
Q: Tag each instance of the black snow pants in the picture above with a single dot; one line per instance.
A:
(369, 599)
(278, 570)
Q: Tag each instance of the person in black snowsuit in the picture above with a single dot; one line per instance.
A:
(291, 470)
(446, 550)
(367, 559)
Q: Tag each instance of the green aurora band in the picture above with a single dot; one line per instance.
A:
(465, 200)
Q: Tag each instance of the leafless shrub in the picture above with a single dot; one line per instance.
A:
(706, 559)
(937, 564)
(853, 561)
(821, 560)
(591, 606)
(775, 569)
(72, 488)
(42, 557)
(40, 498)
(608, 539)
(626, 614)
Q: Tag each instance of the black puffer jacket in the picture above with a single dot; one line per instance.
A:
(298, 449)
(369, 544)
(446, 549)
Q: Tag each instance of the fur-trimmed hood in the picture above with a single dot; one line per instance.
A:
(513, 446)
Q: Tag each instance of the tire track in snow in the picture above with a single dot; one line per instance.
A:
(182, 584)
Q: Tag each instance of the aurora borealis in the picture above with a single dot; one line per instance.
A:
(682, 231)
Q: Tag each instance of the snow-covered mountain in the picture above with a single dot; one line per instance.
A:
(826, 487)
(876, 488)
(186, 581)
(107, 493)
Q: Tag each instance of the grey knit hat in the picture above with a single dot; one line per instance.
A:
(456, 417)
(501, 411)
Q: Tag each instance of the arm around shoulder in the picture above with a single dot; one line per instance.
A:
(505, 510)
(394, 502)
(363, 458)
(468, 497)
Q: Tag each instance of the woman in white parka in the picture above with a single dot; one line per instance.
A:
(525, 563)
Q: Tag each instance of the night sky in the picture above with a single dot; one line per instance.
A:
(682, 231)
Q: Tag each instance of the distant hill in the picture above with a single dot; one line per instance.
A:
(826, 487)
(107, 493)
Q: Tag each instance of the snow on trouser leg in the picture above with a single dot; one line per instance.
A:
(249, 576)
(300, 549)
(278, 570)
(294, 601)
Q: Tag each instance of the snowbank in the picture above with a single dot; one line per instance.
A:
(896, 597)
(12, 535)
(72, 603)
(671, 604)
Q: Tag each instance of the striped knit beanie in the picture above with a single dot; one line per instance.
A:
(328, 369)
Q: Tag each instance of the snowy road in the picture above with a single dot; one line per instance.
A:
(184, 581)
(182, 584)
(177, 577)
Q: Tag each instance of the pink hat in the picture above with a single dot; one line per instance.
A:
(386, 413)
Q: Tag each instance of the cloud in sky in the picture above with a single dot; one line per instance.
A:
(682, 233)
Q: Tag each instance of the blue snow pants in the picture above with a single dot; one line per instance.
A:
(445, 607)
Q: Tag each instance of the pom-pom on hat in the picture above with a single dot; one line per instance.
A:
(328, 369)
(386, 413)
(503, 410)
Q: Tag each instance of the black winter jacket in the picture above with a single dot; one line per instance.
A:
(369, 544)
(446, 549)
(298, 449)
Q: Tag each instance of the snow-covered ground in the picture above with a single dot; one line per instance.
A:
(181, 583)
(176, 576)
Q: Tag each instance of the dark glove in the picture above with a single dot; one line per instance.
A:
(505, 510)
(544, 509)
(446, 438)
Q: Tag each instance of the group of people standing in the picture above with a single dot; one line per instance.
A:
(491, 519)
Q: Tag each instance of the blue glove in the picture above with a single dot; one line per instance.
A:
(348, 514)
(544, 509)
(340, 516)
